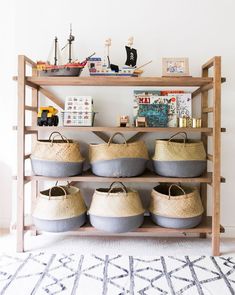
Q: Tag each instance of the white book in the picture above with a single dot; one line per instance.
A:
(79, 103)
(184, 104)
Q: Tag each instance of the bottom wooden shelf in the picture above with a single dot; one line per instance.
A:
(148, 228)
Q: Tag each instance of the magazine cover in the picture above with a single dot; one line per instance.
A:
(153, 98)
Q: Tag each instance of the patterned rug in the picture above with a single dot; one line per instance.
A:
(44, 273)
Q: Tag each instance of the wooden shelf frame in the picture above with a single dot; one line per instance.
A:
(204, 84)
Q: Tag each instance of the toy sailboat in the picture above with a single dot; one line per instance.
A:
(72, 68)
(99, 67)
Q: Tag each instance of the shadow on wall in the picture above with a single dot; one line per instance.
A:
(5, 195)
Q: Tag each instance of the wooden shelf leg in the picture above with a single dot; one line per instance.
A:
(34, 194)
(20, 154)
(204, 138)
(217, 157)
(203, 193)
(34, 183)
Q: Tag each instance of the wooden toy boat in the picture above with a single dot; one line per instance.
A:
(72, 68)
(102, 67)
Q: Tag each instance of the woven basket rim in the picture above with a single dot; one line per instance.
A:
(47, 141)
(74, 190)
(179, 142)
(162, 196)
(97, 192)
(115, 144)
(187, 195)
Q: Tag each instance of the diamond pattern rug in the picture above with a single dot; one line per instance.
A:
(44, 273)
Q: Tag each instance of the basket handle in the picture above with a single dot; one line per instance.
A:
(112, 137)
(121, 185)
(64, 138)
(176, 185)
(183, 134)
(64, 191)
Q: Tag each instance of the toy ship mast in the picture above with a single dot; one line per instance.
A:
(107, 46)
(70, 40)
(54, 57)
(56, 48)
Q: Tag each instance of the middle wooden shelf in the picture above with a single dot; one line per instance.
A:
(148, 176)
(119, 129)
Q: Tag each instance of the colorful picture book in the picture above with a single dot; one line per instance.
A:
(79, 103)
(155, 114)
(78, 111)
(178, 104)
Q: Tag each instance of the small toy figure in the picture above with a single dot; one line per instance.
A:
(123, 121)
(47, 116)
(141, 122)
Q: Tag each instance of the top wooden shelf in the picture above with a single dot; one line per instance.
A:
(120, 81)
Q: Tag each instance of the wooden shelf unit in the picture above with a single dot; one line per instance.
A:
(210, 225)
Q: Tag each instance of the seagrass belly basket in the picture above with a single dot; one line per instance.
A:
(116, 209)
(59, 209)
(56, 158)
(118, 160)
(175, 206)
(179, 158)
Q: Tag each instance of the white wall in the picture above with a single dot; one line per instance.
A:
(8, 101)
(197, 29)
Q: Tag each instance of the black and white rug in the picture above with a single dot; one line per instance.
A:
(44, 273)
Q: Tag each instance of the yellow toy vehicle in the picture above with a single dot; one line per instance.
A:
(47, 116)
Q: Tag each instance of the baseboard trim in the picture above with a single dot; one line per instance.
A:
(4, 231)
(5, 223)
(229, 232)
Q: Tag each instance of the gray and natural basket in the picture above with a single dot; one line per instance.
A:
(57, 158)
(176, 206)
(116, 209)
(118, 160)
(179, 158)
(59, 209)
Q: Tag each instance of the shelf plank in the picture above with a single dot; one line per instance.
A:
(147, 177)
(116, 129)
(120, 81)
(148, 228)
